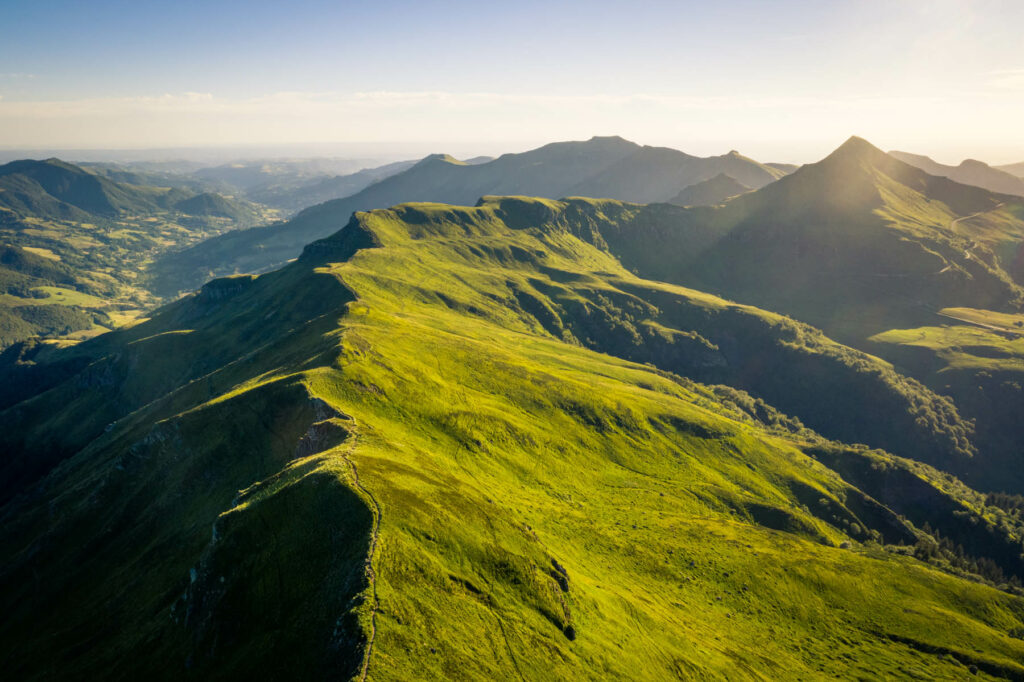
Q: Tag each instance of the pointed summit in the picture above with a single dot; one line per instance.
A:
(857, 149)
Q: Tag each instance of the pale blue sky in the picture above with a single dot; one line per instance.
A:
(786, 80)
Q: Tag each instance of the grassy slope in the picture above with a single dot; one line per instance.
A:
(982, 368)
(539, 510)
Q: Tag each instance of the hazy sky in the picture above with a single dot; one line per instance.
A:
(785, 80)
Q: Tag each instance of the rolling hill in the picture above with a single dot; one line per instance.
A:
(214, 205)
(601, 167)
(430, 448)
(969, 172)
(709, 192)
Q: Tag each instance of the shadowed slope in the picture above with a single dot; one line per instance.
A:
(709, 192)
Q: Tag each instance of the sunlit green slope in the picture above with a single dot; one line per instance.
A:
(422, 452)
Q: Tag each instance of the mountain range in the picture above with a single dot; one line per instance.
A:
(524, 437)
(969, 172)
(1013, 169)
(609, 167)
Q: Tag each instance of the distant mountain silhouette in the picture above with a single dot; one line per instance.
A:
(607, 167)
(1016, 169)
(969, 172)
(710, 192)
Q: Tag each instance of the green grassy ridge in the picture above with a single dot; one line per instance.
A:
(496, 452)
(791, 365)
(385, 385)
(680, 330)
(188, 344)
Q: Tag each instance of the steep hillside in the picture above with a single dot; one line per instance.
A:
(969, 172)
(601, 167)
(709, 192)
(449, 468)
(855, 244)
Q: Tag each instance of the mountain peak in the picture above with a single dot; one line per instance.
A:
(443, 158)
(857, 149)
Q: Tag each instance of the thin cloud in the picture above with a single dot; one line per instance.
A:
(798, 126)
(1007, 79)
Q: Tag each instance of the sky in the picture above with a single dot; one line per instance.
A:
(783, 80)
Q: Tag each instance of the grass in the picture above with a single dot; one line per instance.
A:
(962, 347)
(1006, 321)
(543, 510)
(68, 297)
(45, 253)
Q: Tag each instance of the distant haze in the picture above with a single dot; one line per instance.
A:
(784, 81)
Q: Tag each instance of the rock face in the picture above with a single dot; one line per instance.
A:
(224, 288)
(329, 431)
